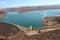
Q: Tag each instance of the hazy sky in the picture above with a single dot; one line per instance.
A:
(19, 3)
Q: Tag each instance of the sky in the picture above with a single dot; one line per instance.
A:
(20, 3)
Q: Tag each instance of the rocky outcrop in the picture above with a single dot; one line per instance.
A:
(51, 21)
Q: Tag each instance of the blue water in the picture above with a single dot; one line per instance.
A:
(31, 18)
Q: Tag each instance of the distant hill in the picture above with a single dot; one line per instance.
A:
(32, 8)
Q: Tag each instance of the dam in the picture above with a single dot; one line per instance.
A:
(26, 25)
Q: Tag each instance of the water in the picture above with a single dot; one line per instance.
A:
(31, 18)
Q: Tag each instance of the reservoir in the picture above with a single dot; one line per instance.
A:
(30, 18)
